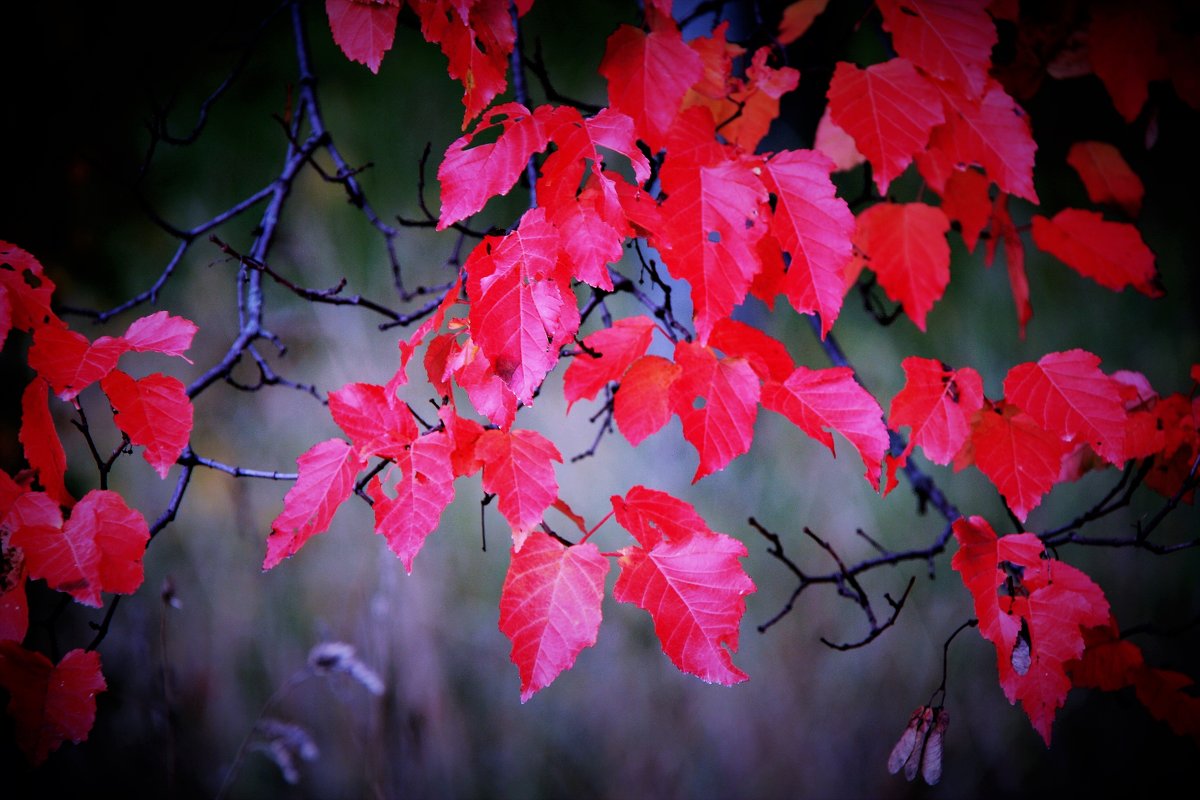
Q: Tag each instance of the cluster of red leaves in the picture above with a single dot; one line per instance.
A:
(98, 546)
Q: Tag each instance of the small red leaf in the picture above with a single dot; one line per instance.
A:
(153, 411)
(642, 404)
(49, 703)
(1123, 49)
(550, 607)
(1112, 254)
(161, 333)
(937, 403)
(364, 29)
(25, 292)
(1106, 175)
(905, 245)
(618, 347)
(965, 201)
(67, 557)
(652, 515)
(723, 427)
(43, 448)
(423, 491)
(68, 362)
(1018, 456)
(950, 39)
(376, 421)
(120, 535)
(518, 468)
(766, 355)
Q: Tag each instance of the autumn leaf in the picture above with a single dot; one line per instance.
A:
(615, 348)
(50, 703)
(153, 412)
(1123, 49)
(965, 201)
(550, 607)
(161, 333)
(327, 472)
(798, 17)
(1005, 232)
(69, 362)
(518, 468)
(25, 291)
(949, 39)
(1112, 254)
(69, 562)
(905, 245)
(1107, 176)
(377, 422)
(1021, 459)
(642, 405)
(717, 402)
(422, 492)
(41, 443)
(766, 355)
(937, 403)
(652, 515)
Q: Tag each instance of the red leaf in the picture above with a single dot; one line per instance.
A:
(67, 557)
(153, 411)
(937, 403)
(422, 494)
(905, 245)
(120, 534)
(409, 346)
(374, 419)
(522, 306)
(1110, 253)
(161, 333)
(648, 75)
(766, 355)
(43, 448)
(694, 589)
(518, 468)
(653, 516)
(364, 29)
(68, 362)
(550, 607)
(25, 291)
(1123, 49)
(1068, 395)
(642, 404)
(950, 39)
(1018, 456)
(837, 145)
(463, 433)
(815, 227)
(489, 395)
(327, 472)
(723, 427)
(472, 176)
(889, 109)
(819, 401)
(1163, 694)
(965, 201)
(1006, 232)
(618, 347)
(1106, 175)
(594, 242)
(798, 17)
(50, 703)
(757, 99)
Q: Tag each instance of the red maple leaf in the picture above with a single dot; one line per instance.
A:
(50, 703)
(1021, 459)
(422, 492)
(694, 588)
(327, 472)
(1106, 175)
(43, 448)
(1123, 48)
(161, 333)
(616, 348)
(965, 201)
(642, 404)
(474, 372)
(154, 412)
(518, 468)
(25, 291)
(364, 29)
(69, 362)
(550, 607)
(723, 427)
(652, 515)
(937, 403)
(766, 355)
(1004, 231)
(824, 400)
(1110, 253)
(375, 420)
(950, 39)
(905, 245)
(890, 110)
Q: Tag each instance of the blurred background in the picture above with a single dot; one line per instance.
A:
(189, 679)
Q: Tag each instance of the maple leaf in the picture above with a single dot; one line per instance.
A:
(470, 176)
(642, 404)
(824, 400)
(550, 607)
(723, 427)
(950, 39)
(69, 362)
(463, 433)
(423, 492)
(1021, 459)
(815, 227)
(937, 403)
(364, 29)
(965, 201)
(518, 468)
(889, 109)
(1068, 395)
(327, 472)
(1106, 175)
(595, 243)
(154, 412)
(694, 588)
(374, 419)
(25, 291)
(474, 372)
(522, 306)
(1123, 49)
(1003, 229)
(615, 348)
(40, 440)
(652, 515)
(120, 534)
(50, 703)
(798, 17)
(161, 333)
(766, 355)
(648, 75)
(1110, 253)
(905, 245)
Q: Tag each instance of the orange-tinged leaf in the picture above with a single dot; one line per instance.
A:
(422, 493)
(758, 101)
(154, 412)
(798, 17)
(364, 29)
(50, 703)
(1110, 253)
(937, 403)
(648, 75)
(642, 404)
(889, 109)
(39, 438)
(518, 467)
(617, 347)
(327, 472)
(950, 39)
(905, 245)
(550, 607)
(1106, 175)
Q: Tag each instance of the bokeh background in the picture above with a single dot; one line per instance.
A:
(188, 683)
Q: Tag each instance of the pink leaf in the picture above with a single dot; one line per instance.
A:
(161, 333)
(518, 468)
(364, 29)
(154, 412)
(423, 491)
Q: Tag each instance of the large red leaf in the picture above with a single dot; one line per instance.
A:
(905, 244)
(1018, 456)
(154, 412)
(120, 534)
(694, 589)
(1106, 175)
(815, 227)
(470, 176)
(49, 703)
(161, 333)
(889, 109)
(648, 75)
(376, 421)
(1068, 395)
(70, 363)
(1110, 253)
(422, 493)
(522, 306)
(67, 557)
(616, 348)
(722, 428)
(642, 404)
(364, 29)
(327, 472)
(43, 448)
(518, 467)
(550, 607)
(949, 39)
(937, 403)
(824, 400)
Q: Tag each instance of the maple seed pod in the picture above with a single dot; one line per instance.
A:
(909, 742)
(931, 760)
